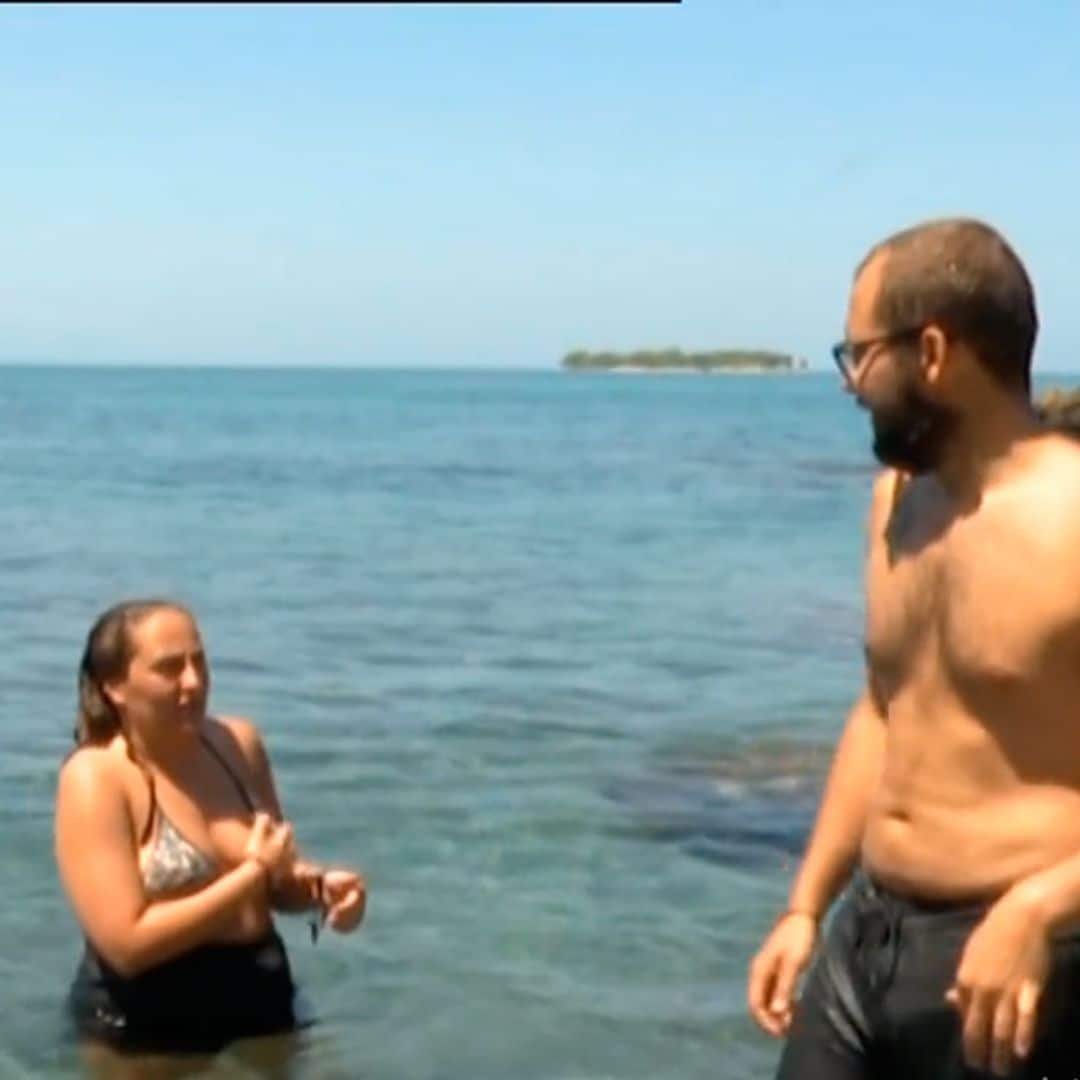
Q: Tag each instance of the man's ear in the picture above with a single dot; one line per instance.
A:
(933, 351)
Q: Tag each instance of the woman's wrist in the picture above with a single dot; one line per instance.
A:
(306, 882)
(298, 888)
(318, 887)
(258, 870)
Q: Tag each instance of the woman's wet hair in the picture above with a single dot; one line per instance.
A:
(106, 659)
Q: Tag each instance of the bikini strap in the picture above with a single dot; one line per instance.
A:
(245, 795)
(148, 827)
(151, 813)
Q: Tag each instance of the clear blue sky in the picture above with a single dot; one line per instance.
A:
(493, 185)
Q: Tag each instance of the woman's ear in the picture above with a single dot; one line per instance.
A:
(113, 692)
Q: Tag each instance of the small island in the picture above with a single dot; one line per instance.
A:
(740, 361)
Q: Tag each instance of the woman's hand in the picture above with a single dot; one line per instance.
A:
(345, 896)
(271, 845)
(341, 894)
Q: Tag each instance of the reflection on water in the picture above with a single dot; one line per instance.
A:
(503, 633)
(302, 1054)
(748, 805)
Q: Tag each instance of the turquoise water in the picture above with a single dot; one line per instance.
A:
(555, 659)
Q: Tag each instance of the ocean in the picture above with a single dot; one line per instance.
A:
(556, 660)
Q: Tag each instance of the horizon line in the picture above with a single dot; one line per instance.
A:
(271, 365)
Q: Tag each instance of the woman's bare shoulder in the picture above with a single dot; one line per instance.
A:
(95, 772)
(245, 741)
(242, 736)
(96, 761)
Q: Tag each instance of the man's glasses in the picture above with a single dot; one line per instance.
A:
(849, 355)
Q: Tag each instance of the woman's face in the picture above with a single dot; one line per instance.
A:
(166, 686)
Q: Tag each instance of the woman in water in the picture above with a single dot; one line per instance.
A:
(173, 850)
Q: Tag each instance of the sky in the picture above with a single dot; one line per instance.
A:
(493, 185)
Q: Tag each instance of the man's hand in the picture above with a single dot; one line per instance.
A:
(776, 969)
(1002, 971)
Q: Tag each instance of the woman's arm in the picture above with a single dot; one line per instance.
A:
(342, 894)
(98, 862)
(301, 888)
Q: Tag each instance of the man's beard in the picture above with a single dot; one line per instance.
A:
(912, 434)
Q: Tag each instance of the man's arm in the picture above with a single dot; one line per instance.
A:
(856, 767)
(830, 855)
(841, 820)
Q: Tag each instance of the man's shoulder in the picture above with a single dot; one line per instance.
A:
(1046, 496)
(1053, 470)
(885, 481)
(1060, 447)
(888, 487)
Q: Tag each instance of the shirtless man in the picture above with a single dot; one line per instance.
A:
(952, 808)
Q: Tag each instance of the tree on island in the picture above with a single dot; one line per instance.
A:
(672, 358)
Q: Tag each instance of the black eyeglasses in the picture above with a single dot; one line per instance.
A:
(849, 355)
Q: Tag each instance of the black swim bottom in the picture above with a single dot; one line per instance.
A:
(198, 1003)
(874, 1008)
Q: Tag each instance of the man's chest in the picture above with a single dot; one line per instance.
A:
(985, 602)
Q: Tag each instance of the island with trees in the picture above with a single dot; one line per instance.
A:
(740, 361)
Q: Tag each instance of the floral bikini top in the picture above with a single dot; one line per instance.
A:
(173, 862)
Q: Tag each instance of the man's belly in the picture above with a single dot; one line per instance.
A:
(974, 852)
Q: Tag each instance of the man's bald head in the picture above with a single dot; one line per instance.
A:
(961, 275)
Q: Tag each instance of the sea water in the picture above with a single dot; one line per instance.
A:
(557, 660)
